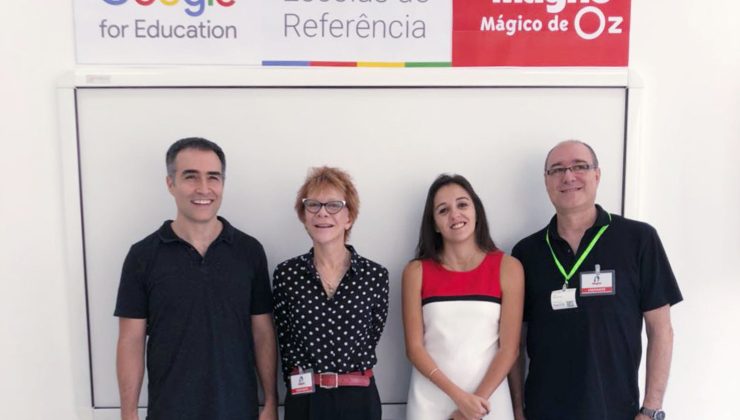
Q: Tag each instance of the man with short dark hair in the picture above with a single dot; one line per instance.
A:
(591, 277)
(199, 289)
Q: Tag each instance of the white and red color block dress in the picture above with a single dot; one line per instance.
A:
(461, 313)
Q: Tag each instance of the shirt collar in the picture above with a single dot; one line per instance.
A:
(602, 219)
(167, 235)
(354, 259)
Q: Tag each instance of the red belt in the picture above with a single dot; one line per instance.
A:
(335, 380)
(330, 380)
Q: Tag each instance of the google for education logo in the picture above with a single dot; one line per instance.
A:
(193, 8)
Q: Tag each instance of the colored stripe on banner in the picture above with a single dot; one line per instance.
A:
(429, 64)
(333, 64)
(380, 64)
(391, 64)
(286, 63)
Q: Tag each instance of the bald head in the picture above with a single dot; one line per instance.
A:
(572, 177)
(595, 160)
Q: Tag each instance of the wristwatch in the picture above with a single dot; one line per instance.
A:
(654, 414)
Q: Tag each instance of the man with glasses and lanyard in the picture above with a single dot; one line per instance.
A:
(591, 277)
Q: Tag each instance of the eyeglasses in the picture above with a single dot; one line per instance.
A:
(578, 169)
(314, 206)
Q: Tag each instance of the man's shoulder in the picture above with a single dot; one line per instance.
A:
(148, 244)
(635, 229)
(243, 240)
(631, 223)
(528, 242)
(533, 237)
(143, 253)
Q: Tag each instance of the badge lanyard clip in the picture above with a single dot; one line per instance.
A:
(583, 256)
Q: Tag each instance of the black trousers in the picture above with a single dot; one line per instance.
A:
(344, 403)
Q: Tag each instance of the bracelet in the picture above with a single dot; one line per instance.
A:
(432, 373)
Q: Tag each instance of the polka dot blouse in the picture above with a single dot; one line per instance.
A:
(329, 335)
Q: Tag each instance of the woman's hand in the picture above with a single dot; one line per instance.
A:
(457, 415)
(472, 406)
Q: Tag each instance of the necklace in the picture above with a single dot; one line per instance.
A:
(331, 287)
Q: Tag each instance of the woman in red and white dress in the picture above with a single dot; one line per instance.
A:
(462, 311)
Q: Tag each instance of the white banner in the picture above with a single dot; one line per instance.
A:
(263, 32)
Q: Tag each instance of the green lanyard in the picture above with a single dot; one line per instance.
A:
(583, 256)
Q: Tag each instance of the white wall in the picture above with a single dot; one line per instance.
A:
(688, 54)
(36, 360)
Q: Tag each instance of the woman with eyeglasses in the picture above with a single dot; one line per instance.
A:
(462, 311)
(330, 308)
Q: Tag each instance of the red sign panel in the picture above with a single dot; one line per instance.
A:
(540, 32)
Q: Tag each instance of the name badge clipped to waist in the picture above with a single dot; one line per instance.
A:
(598, 282)
(564, 298)
(302, 382)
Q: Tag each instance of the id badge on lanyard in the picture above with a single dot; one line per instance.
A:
(598, 282)
(565, 298)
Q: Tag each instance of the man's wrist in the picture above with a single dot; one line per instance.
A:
(128, 411)
(652, 413)
(130, 414)
(270, 403)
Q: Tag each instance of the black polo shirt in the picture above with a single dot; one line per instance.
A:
(584, 361)
(200, 355)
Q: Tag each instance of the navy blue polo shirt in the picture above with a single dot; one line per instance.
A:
(584, 361)
(200, 355)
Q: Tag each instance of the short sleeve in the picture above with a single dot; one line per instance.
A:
(517, 253)
(658, 285)
(380, 309)
(133, 300)
(261, 293)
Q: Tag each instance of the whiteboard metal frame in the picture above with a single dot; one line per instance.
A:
(236, 76)
(181, 76)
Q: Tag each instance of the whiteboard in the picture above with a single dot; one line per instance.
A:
(393, 140)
